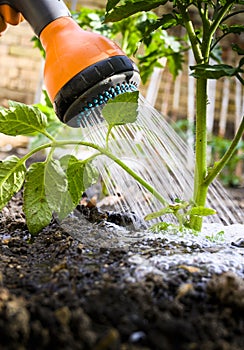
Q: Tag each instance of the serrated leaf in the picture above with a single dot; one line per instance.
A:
(201, 211)
(214, 71)
(12, 175)
(90, 175)
(36, 207)
(131, 7)
(74, 170)
(20, 119)
(150, 25)
(56, 188)
(45, 192)
(122, 110)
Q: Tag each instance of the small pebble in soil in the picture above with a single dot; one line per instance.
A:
(136, 337)
(239, 243)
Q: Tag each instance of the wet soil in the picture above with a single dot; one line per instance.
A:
(57, 292)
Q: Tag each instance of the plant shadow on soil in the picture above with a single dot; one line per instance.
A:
(59, 293)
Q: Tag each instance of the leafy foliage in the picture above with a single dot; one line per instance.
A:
(177, 13)
(12, 175)
(215, 71)
(43, 190)
(50, 187)
(141, 35)
(129, 7)
(22, 120)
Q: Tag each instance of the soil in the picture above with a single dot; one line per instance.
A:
(57, 292)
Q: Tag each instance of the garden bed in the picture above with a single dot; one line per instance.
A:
(97, 290)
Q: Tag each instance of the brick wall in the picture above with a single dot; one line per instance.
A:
(20, 65)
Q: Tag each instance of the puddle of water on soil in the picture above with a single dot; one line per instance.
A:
(149, 252)
(153, 149)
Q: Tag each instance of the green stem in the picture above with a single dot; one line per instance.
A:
(124, 42)
(48, 135)
(200, 188)
(223, 161)
(214, 26)
(231, 15)
(191, 33)
(35, 150)
(102, 151)
(110, 127)
(220, 16)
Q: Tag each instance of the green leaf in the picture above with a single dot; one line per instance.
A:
(36, 207)
(74, 170)
(201, 211)
(45, 192)
(111, 4)
(215, 71)
(131, 7)
(155, 215)
(150, 25)
(12, 175)
(241, 63)
(160, 226)
(56, 189)
(236, 29)
(167, 21)
(122, 110)
(238, 49)
(90, 175)
(20, 119)
(175, 63)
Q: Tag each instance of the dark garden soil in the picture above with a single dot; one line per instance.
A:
(59, 293)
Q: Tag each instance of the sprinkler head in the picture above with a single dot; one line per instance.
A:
(82, 74)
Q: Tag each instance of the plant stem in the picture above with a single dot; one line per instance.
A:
(35, 150)
(200, 52)
(214, 26)
(102, 151)
(110, 127)
(191, 33)
(218, 166)
(200, 188)
(106, 152)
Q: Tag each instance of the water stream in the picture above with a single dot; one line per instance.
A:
(153, 149)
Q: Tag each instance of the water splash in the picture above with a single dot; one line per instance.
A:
(153, 149)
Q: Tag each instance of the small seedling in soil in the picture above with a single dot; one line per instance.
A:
(217, 237)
